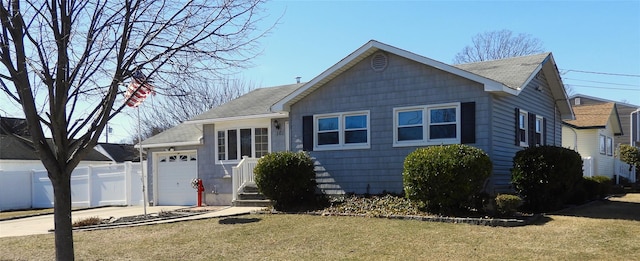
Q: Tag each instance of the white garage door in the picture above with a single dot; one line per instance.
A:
(175, 173)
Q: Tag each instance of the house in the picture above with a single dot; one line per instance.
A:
(119, 153)
(17, 155)
(592, 135)
(360, 118)
(628, 114)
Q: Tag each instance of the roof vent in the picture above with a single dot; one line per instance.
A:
(379, 62)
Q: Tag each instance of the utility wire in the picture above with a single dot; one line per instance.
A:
(603, 73)
(611, 83)
(601, 87)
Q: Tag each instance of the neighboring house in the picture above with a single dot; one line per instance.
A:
(592, 135)
(360, 118)
(16, 155)
(628, 114)
(119, 153)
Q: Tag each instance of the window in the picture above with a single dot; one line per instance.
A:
(603, 145)
(530, 129)
(328, 131)
(222, 153)
(442, 123)
(522, 129)
(355, 129)
(262, 142)
(539, 130)
(427, 125)
(409, 125)
(235, 143)
(347, 130)
(609, 146)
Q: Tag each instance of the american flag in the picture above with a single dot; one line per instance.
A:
(138, 89)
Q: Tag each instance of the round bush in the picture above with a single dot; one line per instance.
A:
(445, 178)
(287, 178)
(546, 176)
(508, 204)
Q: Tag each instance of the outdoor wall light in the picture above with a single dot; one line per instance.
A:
(276, 124)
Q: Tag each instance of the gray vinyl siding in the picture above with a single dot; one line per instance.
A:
(277, 135)
(402, 83)
(212, 174)
(504, 148)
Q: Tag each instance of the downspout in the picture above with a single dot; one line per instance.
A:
(575, 139)
(631, 141)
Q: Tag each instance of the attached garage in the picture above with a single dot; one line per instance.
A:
(174, 172)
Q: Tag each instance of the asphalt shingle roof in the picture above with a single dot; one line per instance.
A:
(596, 115)
(13, 149)
(512, 72)
(121, 152)
(180, 133)
(256, 102)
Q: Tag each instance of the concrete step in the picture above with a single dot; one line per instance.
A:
(250, 189)
(251, 196)
(252, 203)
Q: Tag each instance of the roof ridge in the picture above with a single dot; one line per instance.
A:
(507, 58)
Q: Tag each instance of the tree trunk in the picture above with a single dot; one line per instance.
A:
(62, 215)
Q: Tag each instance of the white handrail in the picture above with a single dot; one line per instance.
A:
(243, 174)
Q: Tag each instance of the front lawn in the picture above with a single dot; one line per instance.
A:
(604, 230)
(7, 214)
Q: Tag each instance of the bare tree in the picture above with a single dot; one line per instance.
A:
(69, 61)
(196, 97)
(495, 45)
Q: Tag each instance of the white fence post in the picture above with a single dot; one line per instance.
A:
(90, 184)
(127, 180)
(32, 185)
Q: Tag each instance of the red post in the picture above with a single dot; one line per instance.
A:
(200, 190)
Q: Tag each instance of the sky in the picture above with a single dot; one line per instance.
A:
(595, 44)
(591, 41)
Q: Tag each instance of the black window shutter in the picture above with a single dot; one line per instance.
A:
(307, 133)
(544, 131)
(531, 130)
(468, 125)
(517, 123)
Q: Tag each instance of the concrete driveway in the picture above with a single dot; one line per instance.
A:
(42, 224)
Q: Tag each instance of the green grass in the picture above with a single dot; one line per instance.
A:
(606, 230)
(20, 213)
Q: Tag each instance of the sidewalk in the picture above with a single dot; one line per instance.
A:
(42, 224)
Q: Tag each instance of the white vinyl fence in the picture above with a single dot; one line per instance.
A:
(622, 170)
(97, 185)
(587, 167)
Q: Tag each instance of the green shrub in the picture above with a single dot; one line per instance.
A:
(508, 204)
(546, 176)
(445, 178)
(598, 186)
(629, 154)
(579, 194)
(287, 178)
